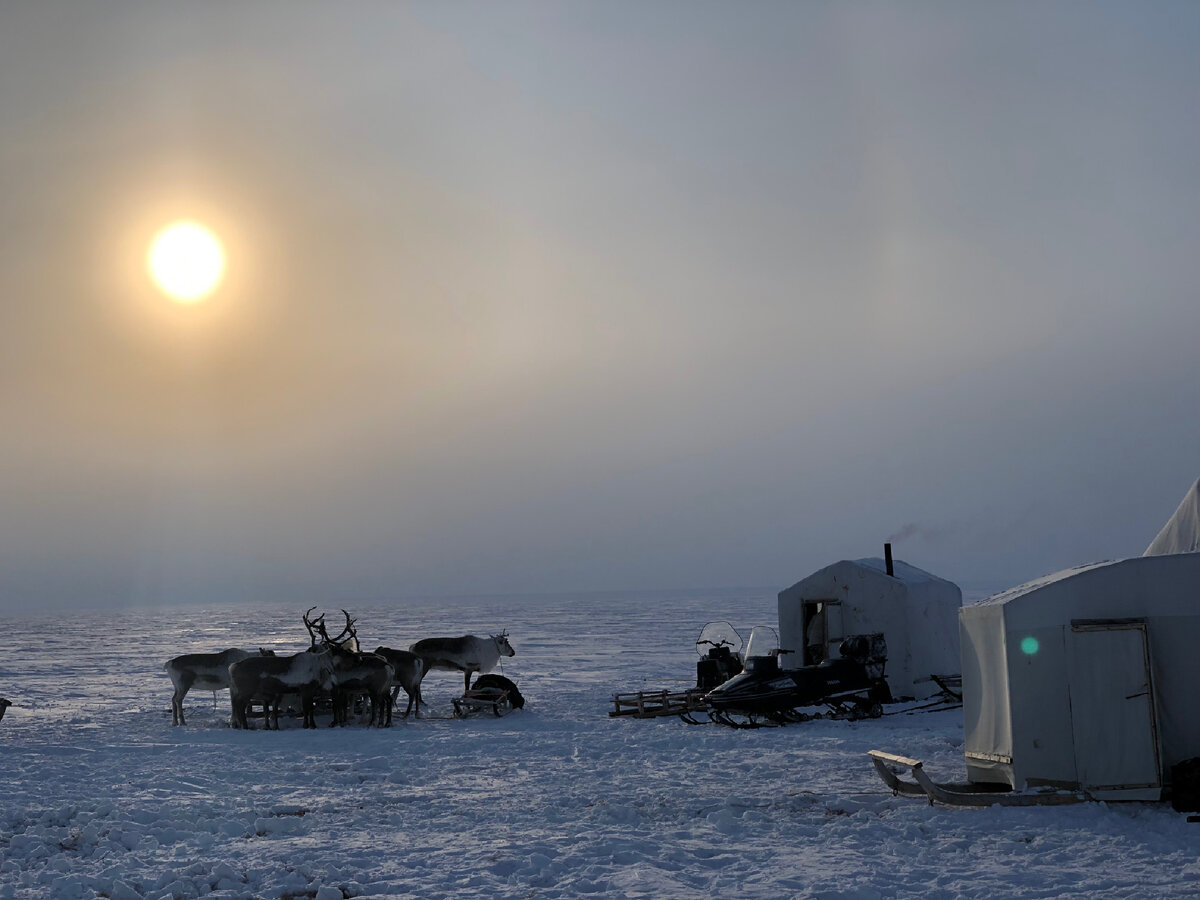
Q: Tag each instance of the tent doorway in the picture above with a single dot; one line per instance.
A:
(1112, 710)
(822, 629)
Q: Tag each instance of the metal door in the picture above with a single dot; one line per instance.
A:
(1112, 710)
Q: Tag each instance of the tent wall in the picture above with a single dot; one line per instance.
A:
(1043, 748)
(932, 620)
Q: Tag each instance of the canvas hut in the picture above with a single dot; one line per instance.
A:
(916, 611)
(1085, 679)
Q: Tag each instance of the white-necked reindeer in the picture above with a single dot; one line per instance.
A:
(208, 671)
(464, 654)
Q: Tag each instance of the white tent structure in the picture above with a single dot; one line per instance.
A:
(916, 611)
(1181, 534)
(1085, 679)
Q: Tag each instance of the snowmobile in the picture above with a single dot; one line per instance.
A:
(852, 686)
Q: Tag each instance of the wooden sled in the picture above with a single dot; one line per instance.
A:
(651, 704)
(961, 794)
(949, 685)
(478, 700)
(949, 696)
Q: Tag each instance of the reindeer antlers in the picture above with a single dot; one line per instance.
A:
(347, 631)
(317, 627)
(314, 626)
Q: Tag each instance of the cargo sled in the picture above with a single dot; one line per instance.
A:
(719, 647)
(490, 693)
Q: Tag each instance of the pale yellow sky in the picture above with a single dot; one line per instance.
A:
(592, 296)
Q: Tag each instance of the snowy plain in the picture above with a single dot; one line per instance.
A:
(102, 797)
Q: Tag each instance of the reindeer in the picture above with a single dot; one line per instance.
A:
(408, 671)
(464, 654)
(302, 675)
(209, 671)
(354, 672)
(361, 673)
(270, 678)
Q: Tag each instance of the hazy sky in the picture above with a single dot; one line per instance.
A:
(592, 296)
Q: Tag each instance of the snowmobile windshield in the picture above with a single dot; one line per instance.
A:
(718, 634)
(763, 642)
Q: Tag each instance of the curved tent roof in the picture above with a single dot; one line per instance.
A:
(1038, 583)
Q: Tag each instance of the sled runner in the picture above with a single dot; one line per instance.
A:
(961, 794)
(494, 699)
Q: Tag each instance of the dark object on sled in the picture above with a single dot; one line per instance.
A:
(853, 686)
(493, 693)
(1185, 785)
(5, 703)
(499, 681)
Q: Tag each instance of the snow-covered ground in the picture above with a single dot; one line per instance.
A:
(101, 796)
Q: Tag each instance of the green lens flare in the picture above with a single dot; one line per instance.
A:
(1029, 646)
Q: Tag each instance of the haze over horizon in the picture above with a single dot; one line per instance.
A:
(536, 297)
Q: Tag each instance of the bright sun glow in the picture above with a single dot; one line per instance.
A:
(186, 261)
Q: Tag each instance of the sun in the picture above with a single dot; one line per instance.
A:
(186, 261)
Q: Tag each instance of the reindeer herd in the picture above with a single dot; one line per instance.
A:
(332, 668)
